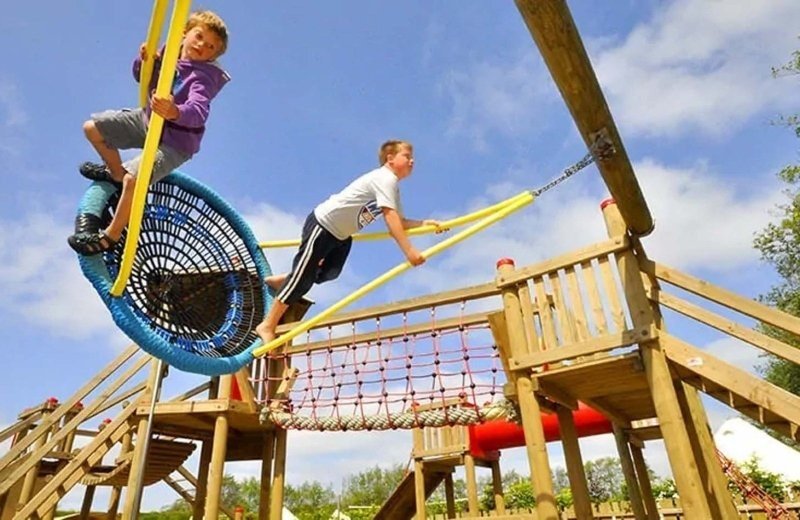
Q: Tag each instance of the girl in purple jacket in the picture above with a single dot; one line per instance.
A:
(198, 78)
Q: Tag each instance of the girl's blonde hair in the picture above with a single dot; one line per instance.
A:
(392, 147)
(213, 22)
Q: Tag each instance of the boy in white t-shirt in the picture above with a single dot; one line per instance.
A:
(328, 230)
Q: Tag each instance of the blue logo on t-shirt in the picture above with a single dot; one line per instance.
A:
(368, 213)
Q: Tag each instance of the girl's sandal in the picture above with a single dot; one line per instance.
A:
(88, 244)
(96, 172)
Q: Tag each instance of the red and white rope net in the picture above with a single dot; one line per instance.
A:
(400, 378)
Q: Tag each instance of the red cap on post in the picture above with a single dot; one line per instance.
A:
(505, 261)
(607, 202)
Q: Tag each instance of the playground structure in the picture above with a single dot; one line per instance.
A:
(587, 326)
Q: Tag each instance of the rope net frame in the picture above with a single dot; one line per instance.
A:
(434, 366)
(196, 288)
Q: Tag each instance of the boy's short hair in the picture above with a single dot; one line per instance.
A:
(213, 22)
(392, 147)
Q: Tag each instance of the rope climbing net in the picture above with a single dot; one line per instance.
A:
(444, 369)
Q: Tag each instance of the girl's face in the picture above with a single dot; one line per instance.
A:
(200, 44)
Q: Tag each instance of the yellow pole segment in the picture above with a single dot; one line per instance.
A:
(521, 201)
(420, 230)
(180, 12)
(153, 37)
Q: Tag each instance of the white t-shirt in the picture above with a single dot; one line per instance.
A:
(360, 203)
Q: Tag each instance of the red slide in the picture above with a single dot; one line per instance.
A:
(496, 435)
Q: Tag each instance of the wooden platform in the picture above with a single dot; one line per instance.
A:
(614, 385)
(195, 419)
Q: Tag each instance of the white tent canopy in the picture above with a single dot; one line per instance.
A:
(739, 441)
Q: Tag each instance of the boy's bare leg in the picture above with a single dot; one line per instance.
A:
(109, 155)
(266, 329)
(123, 212)
(276, 280)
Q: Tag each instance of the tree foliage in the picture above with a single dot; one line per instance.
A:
(605, 479)
(779, 244)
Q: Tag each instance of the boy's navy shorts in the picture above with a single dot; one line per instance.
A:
(320, 259)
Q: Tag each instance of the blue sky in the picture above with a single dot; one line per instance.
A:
(318, 85)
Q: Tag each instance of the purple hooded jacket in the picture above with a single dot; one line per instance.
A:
(195, 85)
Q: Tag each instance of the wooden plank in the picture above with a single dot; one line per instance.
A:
(567, 326)
(242, 378)
(579, 256)
(723, 297)
(578, 310)
(545, 315)
(617, 314)
(71, 474)
(552, 28)
(745, 334)
(474, 292)
(529, 318)
(46, 425)
(585, 348)
(595, 301)
(469, 320)
(751, 388)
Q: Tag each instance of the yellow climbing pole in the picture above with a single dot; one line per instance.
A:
(180, 12)
(498, 212)
(421, 230)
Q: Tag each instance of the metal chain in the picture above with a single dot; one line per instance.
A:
(602, 148)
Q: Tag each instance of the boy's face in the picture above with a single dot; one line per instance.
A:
(402, 162)
(201, 44)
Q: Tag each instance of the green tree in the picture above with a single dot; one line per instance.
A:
(370, 489)
(310, 501)
(604, 478)
(772, 483)
(779, 245)
(664, 488)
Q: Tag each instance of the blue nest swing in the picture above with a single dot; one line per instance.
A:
(196, 290)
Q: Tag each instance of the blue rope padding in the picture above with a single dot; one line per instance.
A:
(135, 324)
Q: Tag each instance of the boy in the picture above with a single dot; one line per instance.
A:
(198, 78)
(328, 229)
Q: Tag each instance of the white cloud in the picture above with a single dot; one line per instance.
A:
(700, 65)
(42, 282)
(702, 221)
(486, 98)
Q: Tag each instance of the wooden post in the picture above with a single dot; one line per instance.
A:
(676, 439)
(535, 443)
(295, 312)
(552, 28)
(572, 455)
(715, 483)
(634, 494)
(201, 489)
(267, 455)
(216, 469)
(450, 495)
(649, 501)
(719, 498)
(472, 485)
(88, 498)
(132, 498)
(497, 487)
(116, 491)
(29, 483)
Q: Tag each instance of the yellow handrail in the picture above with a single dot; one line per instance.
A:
(421, 230)
(520, 201)
(151, 44)
(180, 12)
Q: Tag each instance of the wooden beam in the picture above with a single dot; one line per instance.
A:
(722, 296)
(605, 248)
(551, 25)
(585, 348)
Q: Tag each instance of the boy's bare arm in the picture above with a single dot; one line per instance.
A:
(395, 224)
(409, 223)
